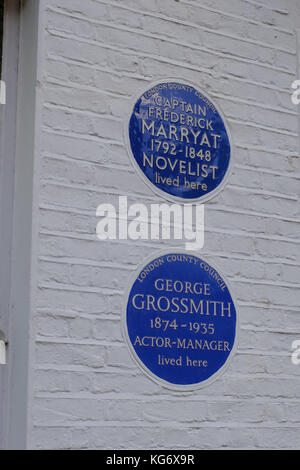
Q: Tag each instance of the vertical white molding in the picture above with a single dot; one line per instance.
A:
(39, 50)
(8, 118)
(22, 277)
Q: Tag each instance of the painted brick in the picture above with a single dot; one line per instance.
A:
(96, 55)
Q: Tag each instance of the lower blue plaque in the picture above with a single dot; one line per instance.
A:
(180, 321)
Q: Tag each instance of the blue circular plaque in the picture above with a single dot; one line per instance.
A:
(180, 321)
(179, 142)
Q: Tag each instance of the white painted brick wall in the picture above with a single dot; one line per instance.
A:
(87, 392)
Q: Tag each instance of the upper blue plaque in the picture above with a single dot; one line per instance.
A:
(179, 142)
(180, 321)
